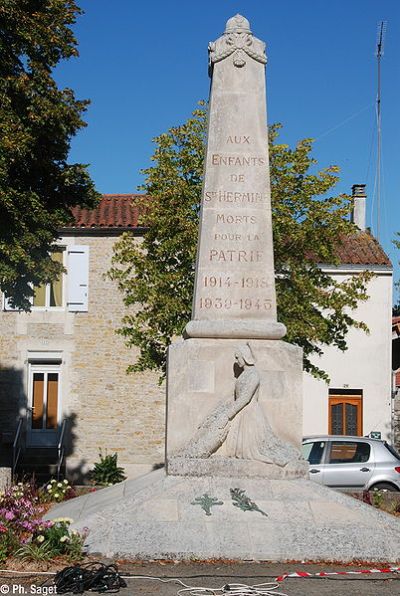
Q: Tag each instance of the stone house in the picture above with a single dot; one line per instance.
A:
(358, 398)
(65, 361)
(396, 378)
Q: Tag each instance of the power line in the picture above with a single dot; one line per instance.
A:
(379, 54)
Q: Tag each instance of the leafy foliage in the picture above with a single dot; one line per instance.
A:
(54, 540)
(107, 471)
(157, 275)
(37, 122)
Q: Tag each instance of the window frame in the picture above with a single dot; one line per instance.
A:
(47, 306)
(344, 442)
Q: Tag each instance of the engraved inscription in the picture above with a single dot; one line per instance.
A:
(217, 159)
(238, 139)
(227, 196)
(230, 237)
(236, 219)
(236, 237)
(238, 256)
(241, 303)
(218, 281)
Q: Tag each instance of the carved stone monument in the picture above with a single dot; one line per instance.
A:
(234, 296)
(234, 487)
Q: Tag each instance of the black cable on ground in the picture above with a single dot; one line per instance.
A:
(94, 577)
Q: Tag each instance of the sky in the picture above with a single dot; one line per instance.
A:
(143, 65)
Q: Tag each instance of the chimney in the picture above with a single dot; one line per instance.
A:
(359, 206)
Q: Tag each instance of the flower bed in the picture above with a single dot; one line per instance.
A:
(23, 532)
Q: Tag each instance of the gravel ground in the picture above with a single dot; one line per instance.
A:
(217, 575)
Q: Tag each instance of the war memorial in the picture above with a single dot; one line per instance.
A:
(234, 484)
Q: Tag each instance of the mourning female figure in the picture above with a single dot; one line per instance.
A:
(237, 427)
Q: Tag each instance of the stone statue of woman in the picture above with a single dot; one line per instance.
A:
(238, 427)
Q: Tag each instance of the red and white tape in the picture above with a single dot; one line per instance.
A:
(280, 578)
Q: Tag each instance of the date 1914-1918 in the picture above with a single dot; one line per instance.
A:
(212, 281)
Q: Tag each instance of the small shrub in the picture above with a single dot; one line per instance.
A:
(8, 542)
(106, 472)
(33, 551)
(52, 540)
(377, 498)
(56, 491)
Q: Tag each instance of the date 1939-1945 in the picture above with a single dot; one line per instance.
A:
(241, 303)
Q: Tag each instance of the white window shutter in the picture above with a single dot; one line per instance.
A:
(78, 278)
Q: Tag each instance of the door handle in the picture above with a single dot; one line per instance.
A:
(314, 471)
(364, 470)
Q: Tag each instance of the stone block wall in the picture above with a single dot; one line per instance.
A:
(108, 409)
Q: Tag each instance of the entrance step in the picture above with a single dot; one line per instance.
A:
(38, 462)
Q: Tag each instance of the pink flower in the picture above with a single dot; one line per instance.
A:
(3, 529)
(9, 515)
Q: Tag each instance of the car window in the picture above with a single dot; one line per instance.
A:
(392, 450)
(312, 452)
(346, 452)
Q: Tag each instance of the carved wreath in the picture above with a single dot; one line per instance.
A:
(239, 44)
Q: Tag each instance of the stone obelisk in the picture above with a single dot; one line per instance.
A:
(234, 389)
(234, 306)
(235, 288)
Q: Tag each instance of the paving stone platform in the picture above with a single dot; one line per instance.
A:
(153, 517)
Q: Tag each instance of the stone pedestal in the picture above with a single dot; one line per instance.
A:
(204, 376)
(5, 478)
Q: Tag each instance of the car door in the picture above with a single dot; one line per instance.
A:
(313, 452)
(349, 464)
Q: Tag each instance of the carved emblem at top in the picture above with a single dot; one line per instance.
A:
(238, 42)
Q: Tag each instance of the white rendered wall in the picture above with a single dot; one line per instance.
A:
(366, 365)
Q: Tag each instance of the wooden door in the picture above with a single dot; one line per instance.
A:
(345, 415)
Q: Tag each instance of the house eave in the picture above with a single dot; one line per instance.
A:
(101, 231)
(352, 268)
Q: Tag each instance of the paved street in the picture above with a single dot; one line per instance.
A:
(217, 575)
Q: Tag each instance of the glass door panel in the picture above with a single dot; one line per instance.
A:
(44, 405)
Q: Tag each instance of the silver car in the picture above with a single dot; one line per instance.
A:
(343, 462)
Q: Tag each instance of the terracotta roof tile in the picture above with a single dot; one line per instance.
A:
(361, 248)
(117, 211)
(113, 211)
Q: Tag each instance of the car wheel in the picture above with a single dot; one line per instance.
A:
(385, 486)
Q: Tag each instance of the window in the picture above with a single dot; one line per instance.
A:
(51, 294)
(312, 452)
(345, 412)
(344, 452)
(71, 290)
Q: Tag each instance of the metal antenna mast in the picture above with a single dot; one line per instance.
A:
(379, 53)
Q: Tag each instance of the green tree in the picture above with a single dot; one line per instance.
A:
(37, 122)
(157, 275)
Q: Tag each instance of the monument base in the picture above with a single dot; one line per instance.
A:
(159, 516)
(229, 467)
